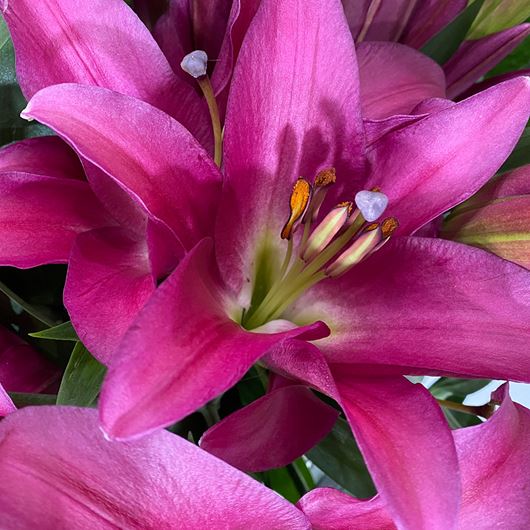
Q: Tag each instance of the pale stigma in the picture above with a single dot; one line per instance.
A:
(372, 204)
(195, 63)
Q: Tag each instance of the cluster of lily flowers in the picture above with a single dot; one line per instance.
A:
(282, 186)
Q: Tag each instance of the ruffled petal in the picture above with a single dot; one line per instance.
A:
(272, 431)
(100, 43)
(293, 110)
(427, 307)
(149, 154)
(109, 280)
(330, 509)
(56, 459)
(436, 163)
(182, 351)
(409, 77)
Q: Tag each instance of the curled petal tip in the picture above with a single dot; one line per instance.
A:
(195, 63)
(106, 435)
(372, 204)
(25, 114)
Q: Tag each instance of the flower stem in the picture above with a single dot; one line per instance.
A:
(484, 411)
(207, 90)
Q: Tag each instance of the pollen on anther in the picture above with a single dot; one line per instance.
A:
(325, 177)
(389, 226)
(298, 204)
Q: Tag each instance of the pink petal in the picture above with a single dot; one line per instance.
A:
(408, 448)
(68, 475)
(380, 21)
(329, 509)
(516, 182)
(492, 81)
(501, 227)
(376, 129)
(23, 369)
(409, 77)
(174, 34)
(400, 430)
(427, 307)
(241, 15)
(272, 431)
(69, 41)
(428, 18)
(109, 280)
(150, 10)
(182, 351)
(45, 203)
(149, 154)
(293, 110)
(6, 404)
(475, 58)
(493, 460)
(47, 156)
(429, 166)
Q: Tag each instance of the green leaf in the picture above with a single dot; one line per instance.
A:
(520, 154)
(442, 45)
(22, 399)
(22, 304)
(82, 379)
(340, 459)
(458, 420)
(284, 481)
(64, 331)
(456, 390)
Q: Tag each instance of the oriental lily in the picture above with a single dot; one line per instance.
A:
(56, 460)
(493, 459)
(293, 112)
(81, 198)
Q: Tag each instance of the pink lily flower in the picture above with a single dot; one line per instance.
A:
(493, 460)
(22, 369)
(497, 218)
(58, 471)
(294, 112)
(139, 249)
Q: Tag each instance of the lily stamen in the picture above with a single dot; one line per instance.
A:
(195, 64)
(321, 253)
